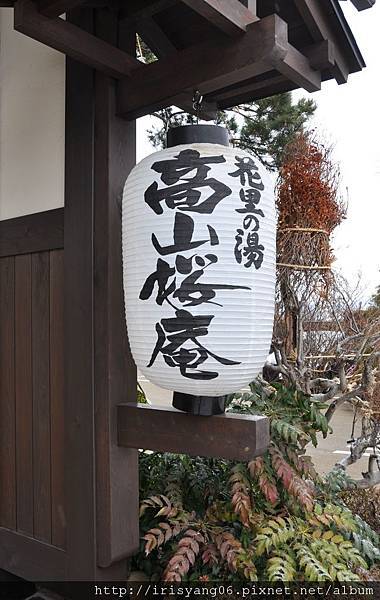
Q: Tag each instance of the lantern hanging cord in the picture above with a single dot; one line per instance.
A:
(197, 103)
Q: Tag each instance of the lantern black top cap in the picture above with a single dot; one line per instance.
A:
(197, 134)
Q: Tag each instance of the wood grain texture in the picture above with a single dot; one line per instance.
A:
(24, 392)
(230, 16)
(230, 436)
(31, 559)
(71, 40)
(207, 67)
(57, 415)
(78, 316)
(84, 444)
(41, 396)
(115, 372)
(32, 233)
(320, 27)
(7, 396)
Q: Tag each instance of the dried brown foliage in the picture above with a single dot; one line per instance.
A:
(308, 195)
(366, 504)
(309, 209)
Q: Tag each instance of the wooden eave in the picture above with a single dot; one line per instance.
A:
(232, 51)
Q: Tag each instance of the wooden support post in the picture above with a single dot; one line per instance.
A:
(114, 369)
(78, 302)
(101, 479)
(229, 436)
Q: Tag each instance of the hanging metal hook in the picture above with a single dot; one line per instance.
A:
(197, 103)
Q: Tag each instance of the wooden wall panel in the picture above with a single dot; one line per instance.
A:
(57, 398)
(7, 396)
(31, 389)
(41, 395)
(24, 392)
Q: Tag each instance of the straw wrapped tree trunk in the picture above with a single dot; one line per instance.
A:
(324, 345)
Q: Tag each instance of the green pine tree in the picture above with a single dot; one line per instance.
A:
(375, 300)
(263, 127)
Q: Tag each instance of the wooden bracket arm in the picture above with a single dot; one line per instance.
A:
(229, 436)
(72, 41)
(230, 16)
(211, 67)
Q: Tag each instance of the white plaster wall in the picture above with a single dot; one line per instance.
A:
(32, 99)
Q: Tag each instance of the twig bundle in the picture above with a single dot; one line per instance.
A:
(309, 207)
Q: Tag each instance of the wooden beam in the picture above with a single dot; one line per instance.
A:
(55, 8)
(296, 67)
(162, 47)
(140, 10)
(320, 55)
(207, 67)
(213, 66)
(38, 232)
(229, 436)
(230, 16)
(88, 49)
(245, 93)
(320, 29)
(72, 41)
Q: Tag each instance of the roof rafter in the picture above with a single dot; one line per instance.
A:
(230, 16)
(312, 13)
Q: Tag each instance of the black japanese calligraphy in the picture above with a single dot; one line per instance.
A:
(177, 341)
(183, 237)
(248, 249)
(247, 171)
(180, 276)
(191, 291)
(187, 195)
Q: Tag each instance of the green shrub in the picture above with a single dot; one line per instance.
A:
(272, 519)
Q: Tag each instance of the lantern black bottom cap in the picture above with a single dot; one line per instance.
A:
(203, 406)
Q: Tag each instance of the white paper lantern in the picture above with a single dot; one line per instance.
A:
(199, 235)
